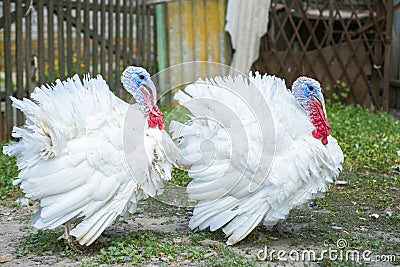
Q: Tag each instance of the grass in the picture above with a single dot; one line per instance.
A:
(139, 247)
(180, 177)
(370, 140)
(8, 170)
(371, 144)
(41, 242)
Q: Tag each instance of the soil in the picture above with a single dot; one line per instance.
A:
(15, 224)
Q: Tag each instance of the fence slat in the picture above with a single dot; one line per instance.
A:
(110, 43)
(125, 20)
(139, 32)
(95, 38)
(117, 46)
(86, 35)
(41, 45)
(20, 59)
(50, 40)
(146, 33)
(70, 57)
(60, 40)
(78, 37)
(103, 41)
(386, 64)
(125, 40)
(8, 65)
(29, 67)
(132, 19)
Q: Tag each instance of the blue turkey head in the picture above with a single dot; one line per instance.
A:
(308, 93)
(305, 90)
(137, 82)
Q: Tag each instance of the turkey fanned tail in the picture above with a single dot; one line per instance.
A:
(71, 156)
(301, 169)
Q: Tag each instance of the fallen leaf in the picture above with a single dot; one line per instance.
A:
(211, 243)
(6, 258)
(345, 233)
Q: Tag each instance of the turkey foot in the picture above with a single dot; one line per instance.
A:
(278, 227)
(68, 238)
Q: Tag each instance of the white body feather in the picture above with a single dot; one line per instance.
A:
(71, 156)
(301, 168)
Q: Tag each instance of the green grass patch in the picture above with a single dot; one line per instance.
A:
(41, 242)
(180, 177)
(139, 247)
(370, 140)
(226, 256)
(162, 249)
(174, 113)
(8, 171)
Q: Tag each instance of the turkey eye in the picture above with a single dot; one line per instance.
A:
(141, 77)
(311, 88)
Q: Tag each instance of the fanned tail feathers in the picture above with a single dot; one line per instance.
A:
(282, 165)
(70, 156)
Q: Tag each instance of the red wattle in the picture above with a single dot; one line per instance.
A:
(318, 119)
(156, 118)
(316, 134)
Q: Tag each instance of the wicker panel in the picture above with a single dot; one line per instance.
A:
(331, 41)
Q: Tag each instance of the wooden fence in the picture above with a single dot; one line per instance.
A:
(394, 97)
(346, 41)
(42, 40)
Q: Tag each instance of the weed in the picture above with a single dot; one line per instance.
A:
(340, 92)
(228, 257)
(138, 247)
(369, 140)
(41, 242)
(8, 171)
(180, 177)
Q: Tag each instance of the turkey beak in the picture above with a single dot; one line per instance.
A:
(150, 87)
(320, 100)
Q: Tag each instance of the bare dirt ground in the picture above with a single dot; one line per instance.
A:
(15, 224)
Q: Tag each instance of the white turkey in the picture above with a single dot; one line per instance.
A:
(256, 150)
(87, 155)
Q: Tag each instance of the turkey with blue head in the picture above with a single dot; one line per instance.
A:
(271, 150)
(308, 93)
(72, 152)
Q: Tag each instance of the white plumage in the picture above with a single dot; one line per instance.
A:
(252, 151)
(71, 154)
